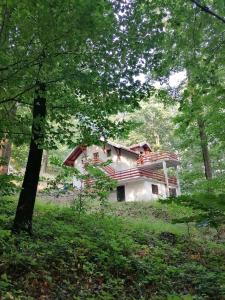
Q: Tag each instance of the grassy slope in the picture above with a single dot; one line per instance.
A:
(134, 253)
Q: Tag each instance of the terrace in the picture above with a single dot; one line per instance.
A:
(138, 172)
(155, 159)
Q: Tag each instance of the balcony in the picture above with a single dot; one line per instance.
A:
(139, 172)
(155, 159)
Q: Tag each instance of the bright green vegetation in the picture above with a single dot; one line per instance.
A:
(133, 252)
(69, 75)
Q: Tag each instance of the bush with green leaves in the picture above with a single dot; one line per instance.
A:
(102, 258)
(8, 184)
(94, 184)
(208, 209)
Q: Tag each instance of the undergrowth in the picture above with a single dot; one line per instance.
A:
(91, 256)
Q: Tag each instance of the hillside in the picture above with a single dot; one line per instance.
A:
(131, 252)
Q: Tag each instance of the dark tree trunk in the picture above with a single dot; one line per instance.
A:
(205, 150)
(24, 212)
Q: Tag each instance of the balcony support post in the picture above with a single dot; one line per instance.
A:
(178, 182)
(166, 178)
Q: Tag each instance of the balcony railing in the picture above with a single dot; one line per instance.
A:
(156, 156)
(137, 172)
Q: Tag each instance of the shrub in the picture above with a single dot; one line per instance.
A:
(93, 257)
(209, 209)
(8, 185)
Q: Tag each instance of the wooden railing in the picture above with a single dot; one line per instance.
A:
(156, 156)
(138, 172)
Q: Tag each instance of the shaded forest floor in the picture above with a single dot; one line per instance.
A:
(133, 251)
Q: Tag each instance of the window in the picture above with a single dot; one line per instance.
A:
(96, 155)
(108, 152)
(172, 192)
(155, 189)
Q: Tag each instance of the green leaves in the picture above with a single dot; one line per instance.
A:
(87, 53)
(8, 184)
(208, 209)
(106, 257)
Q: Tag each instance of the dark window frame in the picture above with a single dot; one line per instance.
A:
(155, 189)
(96, 155)
(108, 152)
(172, 192)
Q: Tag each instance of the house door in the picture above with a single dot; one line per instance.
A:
(121, 193)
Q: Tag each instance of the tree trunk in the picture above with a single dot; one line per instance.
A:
(44, 163)
(6, 144)
(205, 150)
(5, 155)
(24, 212)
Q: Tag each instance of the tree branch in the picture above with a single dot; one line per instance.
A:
(207, 10)
(14, 99)
(15, 133)
(213, 51)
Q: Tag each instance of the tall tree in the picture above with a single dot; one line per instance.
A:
(72, 58)
(195, 38)
(26, 202)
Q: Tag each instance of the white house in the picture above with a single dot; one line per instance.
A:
(141, 174)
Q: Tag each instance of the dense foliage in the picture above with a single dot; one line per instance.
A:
(73, 71)
(88, 65)
(209, 210)
(89, 256)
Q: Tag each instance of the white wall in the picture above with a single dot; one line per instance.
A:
(140, 191)
(136, 191)
(125, 161)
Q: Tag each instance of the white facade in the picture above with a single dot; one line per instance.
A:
(119, 163)
(141, 190)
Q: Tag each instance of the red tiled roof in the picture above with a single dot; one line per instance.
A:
(69, 160)
(141, 160)
(119, 146)
(139, 145)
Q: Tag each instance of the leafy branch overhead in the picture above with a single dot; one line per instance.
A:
(207, 10)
